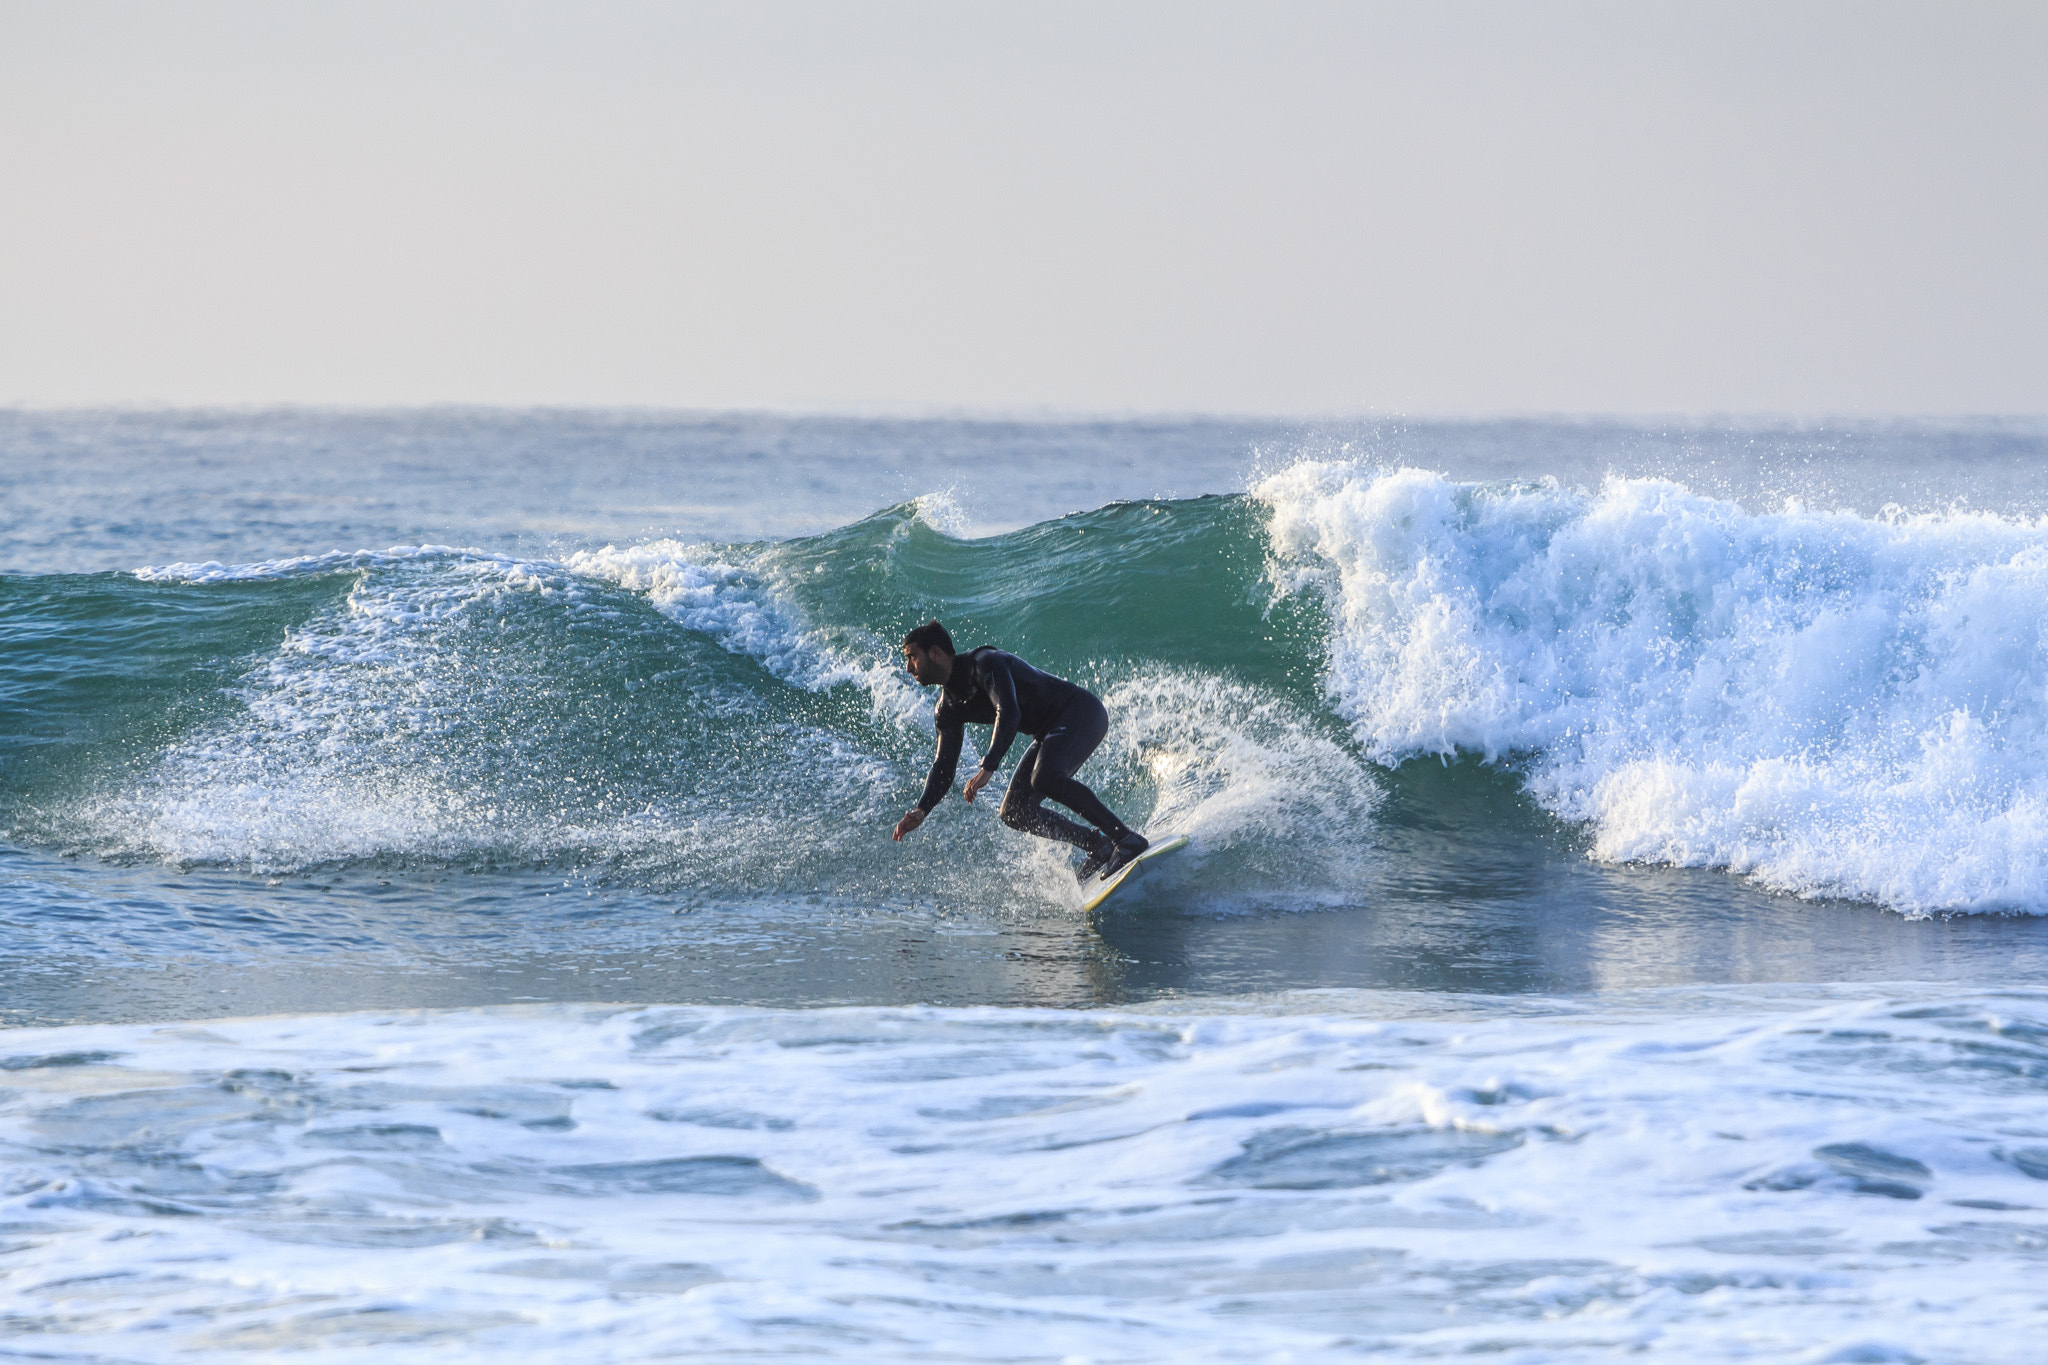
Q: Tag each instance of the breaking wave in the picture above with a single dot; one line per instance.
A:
(1833, 705)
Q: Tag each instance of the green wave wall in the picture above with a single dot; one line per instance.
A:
(719, 720)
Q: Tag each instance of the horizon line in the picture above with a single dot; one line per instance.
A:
(1051, 414)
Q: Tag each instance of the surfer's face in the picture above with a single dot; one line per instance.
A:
(925, 666)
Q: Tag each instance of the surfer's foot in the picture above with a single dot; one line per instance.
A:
(1096, 860)
(1127, 848)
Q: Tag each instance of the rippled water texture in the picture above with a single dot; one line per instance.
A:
(1703, 1178)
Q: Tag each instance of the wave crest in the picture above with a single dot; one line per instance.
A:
(1832, 704)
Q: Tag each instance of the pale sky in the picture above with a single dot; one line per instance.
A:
(1820, 208)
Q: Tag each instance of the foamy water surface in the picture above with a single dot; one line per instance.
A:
(1703, 1177)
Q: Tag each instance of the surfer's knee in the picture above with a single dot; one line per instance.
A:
(1013, 812)
(1051, 783)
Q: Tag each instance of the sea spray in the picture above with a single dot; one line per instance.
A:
(1830, 703)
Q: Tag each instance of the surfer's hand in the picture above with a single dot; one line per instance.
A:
(976, 783)
(911, 820)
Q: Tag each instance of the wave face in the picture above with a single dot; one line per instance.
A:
(1833, 705)
(718, 721)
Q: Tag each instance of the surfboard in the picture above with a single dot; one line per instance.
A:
(1123, 874)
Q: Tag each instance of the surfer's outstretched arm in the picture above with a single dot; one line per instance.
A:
(940, 780)
(936, 783)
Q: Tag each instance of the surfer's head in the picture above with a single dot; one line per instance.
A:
(928, 653)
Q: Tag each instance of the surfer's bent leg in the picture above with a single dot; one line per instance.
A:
(1066, 746)
(1023, 806)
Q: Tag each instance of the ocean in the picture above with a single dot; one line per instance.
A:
(447, 907)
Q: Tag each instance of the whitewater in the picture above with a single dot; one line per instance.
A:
(1830, 703)
(448, 905)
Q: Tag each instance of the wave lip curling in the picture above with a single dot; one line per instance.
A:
(1831, 704)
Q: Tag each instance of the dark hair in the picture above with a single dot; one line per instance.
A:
(929, 634)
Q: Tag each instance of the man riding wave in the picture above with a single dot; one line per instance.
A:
(986, 686)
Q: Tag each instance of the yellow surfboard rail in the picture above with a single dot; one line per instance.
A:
(1102, 893)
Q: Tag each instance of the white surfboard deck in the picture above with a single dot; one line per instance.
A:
(1103, 890)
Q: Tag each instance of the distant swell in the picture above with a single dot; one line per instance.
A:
(1833, 705)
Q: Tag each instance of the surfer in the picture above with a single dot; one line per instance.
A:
(986, 686)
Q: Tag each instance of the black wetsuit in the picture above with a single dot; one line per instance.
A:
(1066, 722)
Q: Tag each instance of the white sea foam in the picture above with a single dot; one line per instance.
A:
(1330, 1176)
(704, 588)
(945, 511)
(741, 607)
(1831, 704)
(1278, 812)
(341, 746)
(297, 566)
(1242, 772)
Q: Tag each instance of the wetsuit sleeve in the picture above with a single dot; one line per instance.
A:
(1002, 690)
(940, 781)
